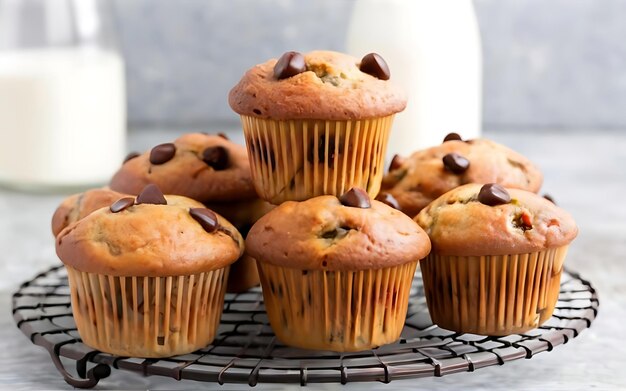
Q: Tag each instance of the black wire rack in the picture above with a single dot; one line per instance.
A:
(247, 351)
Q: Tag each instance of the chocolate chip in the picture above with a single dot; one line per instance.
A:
(321, 151)
(452, 137)
(388, 199)
(549, 198)
(151, 194)
(162, 153)
(493, 194)
(288, 65)
(122, 204)
(131, 156)
(396, 162)
(455, 163)
(356, 197)
(206, 217)
(223, 135)
(374, 65)
(216, 157)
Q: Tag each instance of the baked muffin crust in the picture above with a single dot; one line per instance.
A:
(187, 174)
(148, 240)
(419, 179)
(459, 224)
(77, 206)
(321, 233)
(332, 87)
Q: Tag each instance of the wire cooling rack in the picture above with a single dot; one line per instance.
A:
(246, 350)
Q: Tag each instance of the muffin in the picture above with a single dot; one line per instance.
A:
(416, 181)
(316, 123)
(77, 206)
(147, 275)
(207, 168)
(336, 273)
(496, 260)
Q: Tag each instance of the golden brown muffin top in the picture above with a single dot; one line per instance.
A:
(323, 234)
(331, 86)
(77, 206)
(417, 180)
(460, 223)
(207, 168)
(150, 240)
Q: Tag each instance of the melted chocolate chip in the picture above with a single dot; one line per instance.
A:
(455, 163)
(121, 204)
(452, 136)
(356, 198)
(216, 157)
(396, 162)
(493, 194)
(151, 194)
(206, 217)
(375, 65)
(131, 156)
(388, 199)
(288, 65)
(223, 135)
(162, 153)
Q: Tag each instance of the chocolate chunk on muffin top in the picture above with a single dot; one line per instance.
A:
(419, 179)
(346, 233)
(488, 219)
(207, 168)
(77, 206)
(145, 237)
(318, 85)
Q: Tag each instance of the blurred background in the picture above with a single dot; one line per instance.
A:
(558, 64)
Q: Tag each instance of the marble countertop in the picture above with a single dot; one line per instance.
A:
(585, 171)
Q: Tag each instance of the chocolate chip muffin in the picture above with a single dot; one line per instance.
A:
(77, 206)
(417, 180)
(206, 168)
(210, 169)
(497, 258)
(147, 275)
(316, 123)
(336, 272)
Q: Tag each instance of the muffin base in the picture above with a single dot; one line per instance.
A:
(147, 316)
(336, 310)
(493, 295)
(300, 159)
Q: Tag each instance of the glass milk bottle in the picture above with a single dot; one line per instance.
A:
(62, 94)
(433, 51)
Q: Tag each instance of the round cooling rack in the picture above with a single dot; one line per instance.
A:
(245, 349)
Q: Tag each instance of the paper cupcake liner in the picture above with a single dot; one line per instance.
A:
(336, 310)
(493, 295)
(300, 159)
(147, 316)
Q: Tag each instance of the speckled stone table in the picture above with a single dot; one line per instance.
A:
(585, 171)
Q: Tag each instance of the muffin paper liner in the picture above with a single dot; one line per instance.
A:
(147, 316)
(299, 159)
(336, 310)
(493, 295)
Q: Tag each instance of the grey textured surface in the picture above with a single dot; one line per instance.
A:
(558, 64)
(584, 172)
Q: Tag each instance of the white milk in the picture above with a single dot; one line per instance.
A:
(62, 117)
(433, 52)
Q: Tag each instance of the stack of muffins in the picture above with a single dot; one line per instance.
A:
(335, 256)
